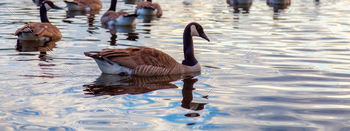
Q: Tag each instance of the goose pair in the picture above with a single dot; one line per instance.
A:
(145, 61)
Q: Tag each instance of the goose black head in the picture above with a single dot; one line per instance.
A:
(197, 30)
(49, 5)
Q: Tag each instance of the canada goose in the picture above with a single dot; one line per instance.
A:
(148, 8)
(278, 5)
(86, 5)
(112, 18)
(243, 4)
(144, 61)
(40, 31)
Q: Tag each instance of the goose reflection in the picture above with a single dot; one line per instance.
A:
(36, 46)
(119, 85)
(90, 17)
(147, 18)
(128, 30)
(240, 4)
(132, 1)
(187, 97)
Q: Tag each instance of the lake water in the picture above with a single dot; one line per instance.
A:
(275, 68)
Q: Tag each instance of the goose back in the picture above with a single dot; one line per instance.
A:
(92, 4)
(144, 61)
(112, 16)
(41, 29)
(146, 5)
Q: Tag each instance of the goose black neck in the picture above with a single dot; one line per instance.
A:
(43, 14)
(149, 0)
(190, 60)
(113, 5)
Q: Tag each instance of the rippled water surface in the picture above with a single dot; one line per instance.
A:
(274, 67)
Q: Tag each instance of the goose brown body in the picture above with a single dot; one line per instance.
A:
(112, 16)
(149, 5)
(145, 61)
(41, 29)
(36, 31)
(92, 4)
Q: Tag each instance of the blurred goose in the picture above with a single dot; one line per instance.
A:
(40, 31)
(111, 17)
(148, 8)
(85, 5)
(144, 61)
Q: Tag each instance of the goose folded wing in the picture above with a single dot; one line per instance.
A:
(139, 56)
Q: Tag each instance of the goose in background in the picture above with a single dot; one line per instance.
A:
(148, 8)
(278, 4)
(243, 4)
(40, 31)
(112, 18)
(86, 5)
(145, 61)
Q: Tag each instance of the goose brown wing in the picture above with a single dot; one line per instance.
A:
(41, 29)
(139, 56)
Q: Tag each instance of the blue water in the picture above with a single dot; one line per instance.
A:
(262, 70)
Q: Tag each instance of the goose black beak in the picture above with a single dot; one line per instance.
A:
(204, 37)
(56, 7)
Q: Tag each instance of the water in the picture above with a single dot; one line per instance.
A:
(261, 71)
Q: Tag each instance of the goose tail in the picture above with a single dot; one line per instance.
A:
(107, 66)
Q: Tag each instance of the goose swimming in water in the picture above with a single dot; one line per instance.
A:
(111, 17)
(145, 61)
(86, 5)
(40, 31)
(148, 8)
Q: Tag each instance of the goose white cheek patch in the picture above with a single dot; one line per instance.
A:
(48, 7)
(194, 31)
